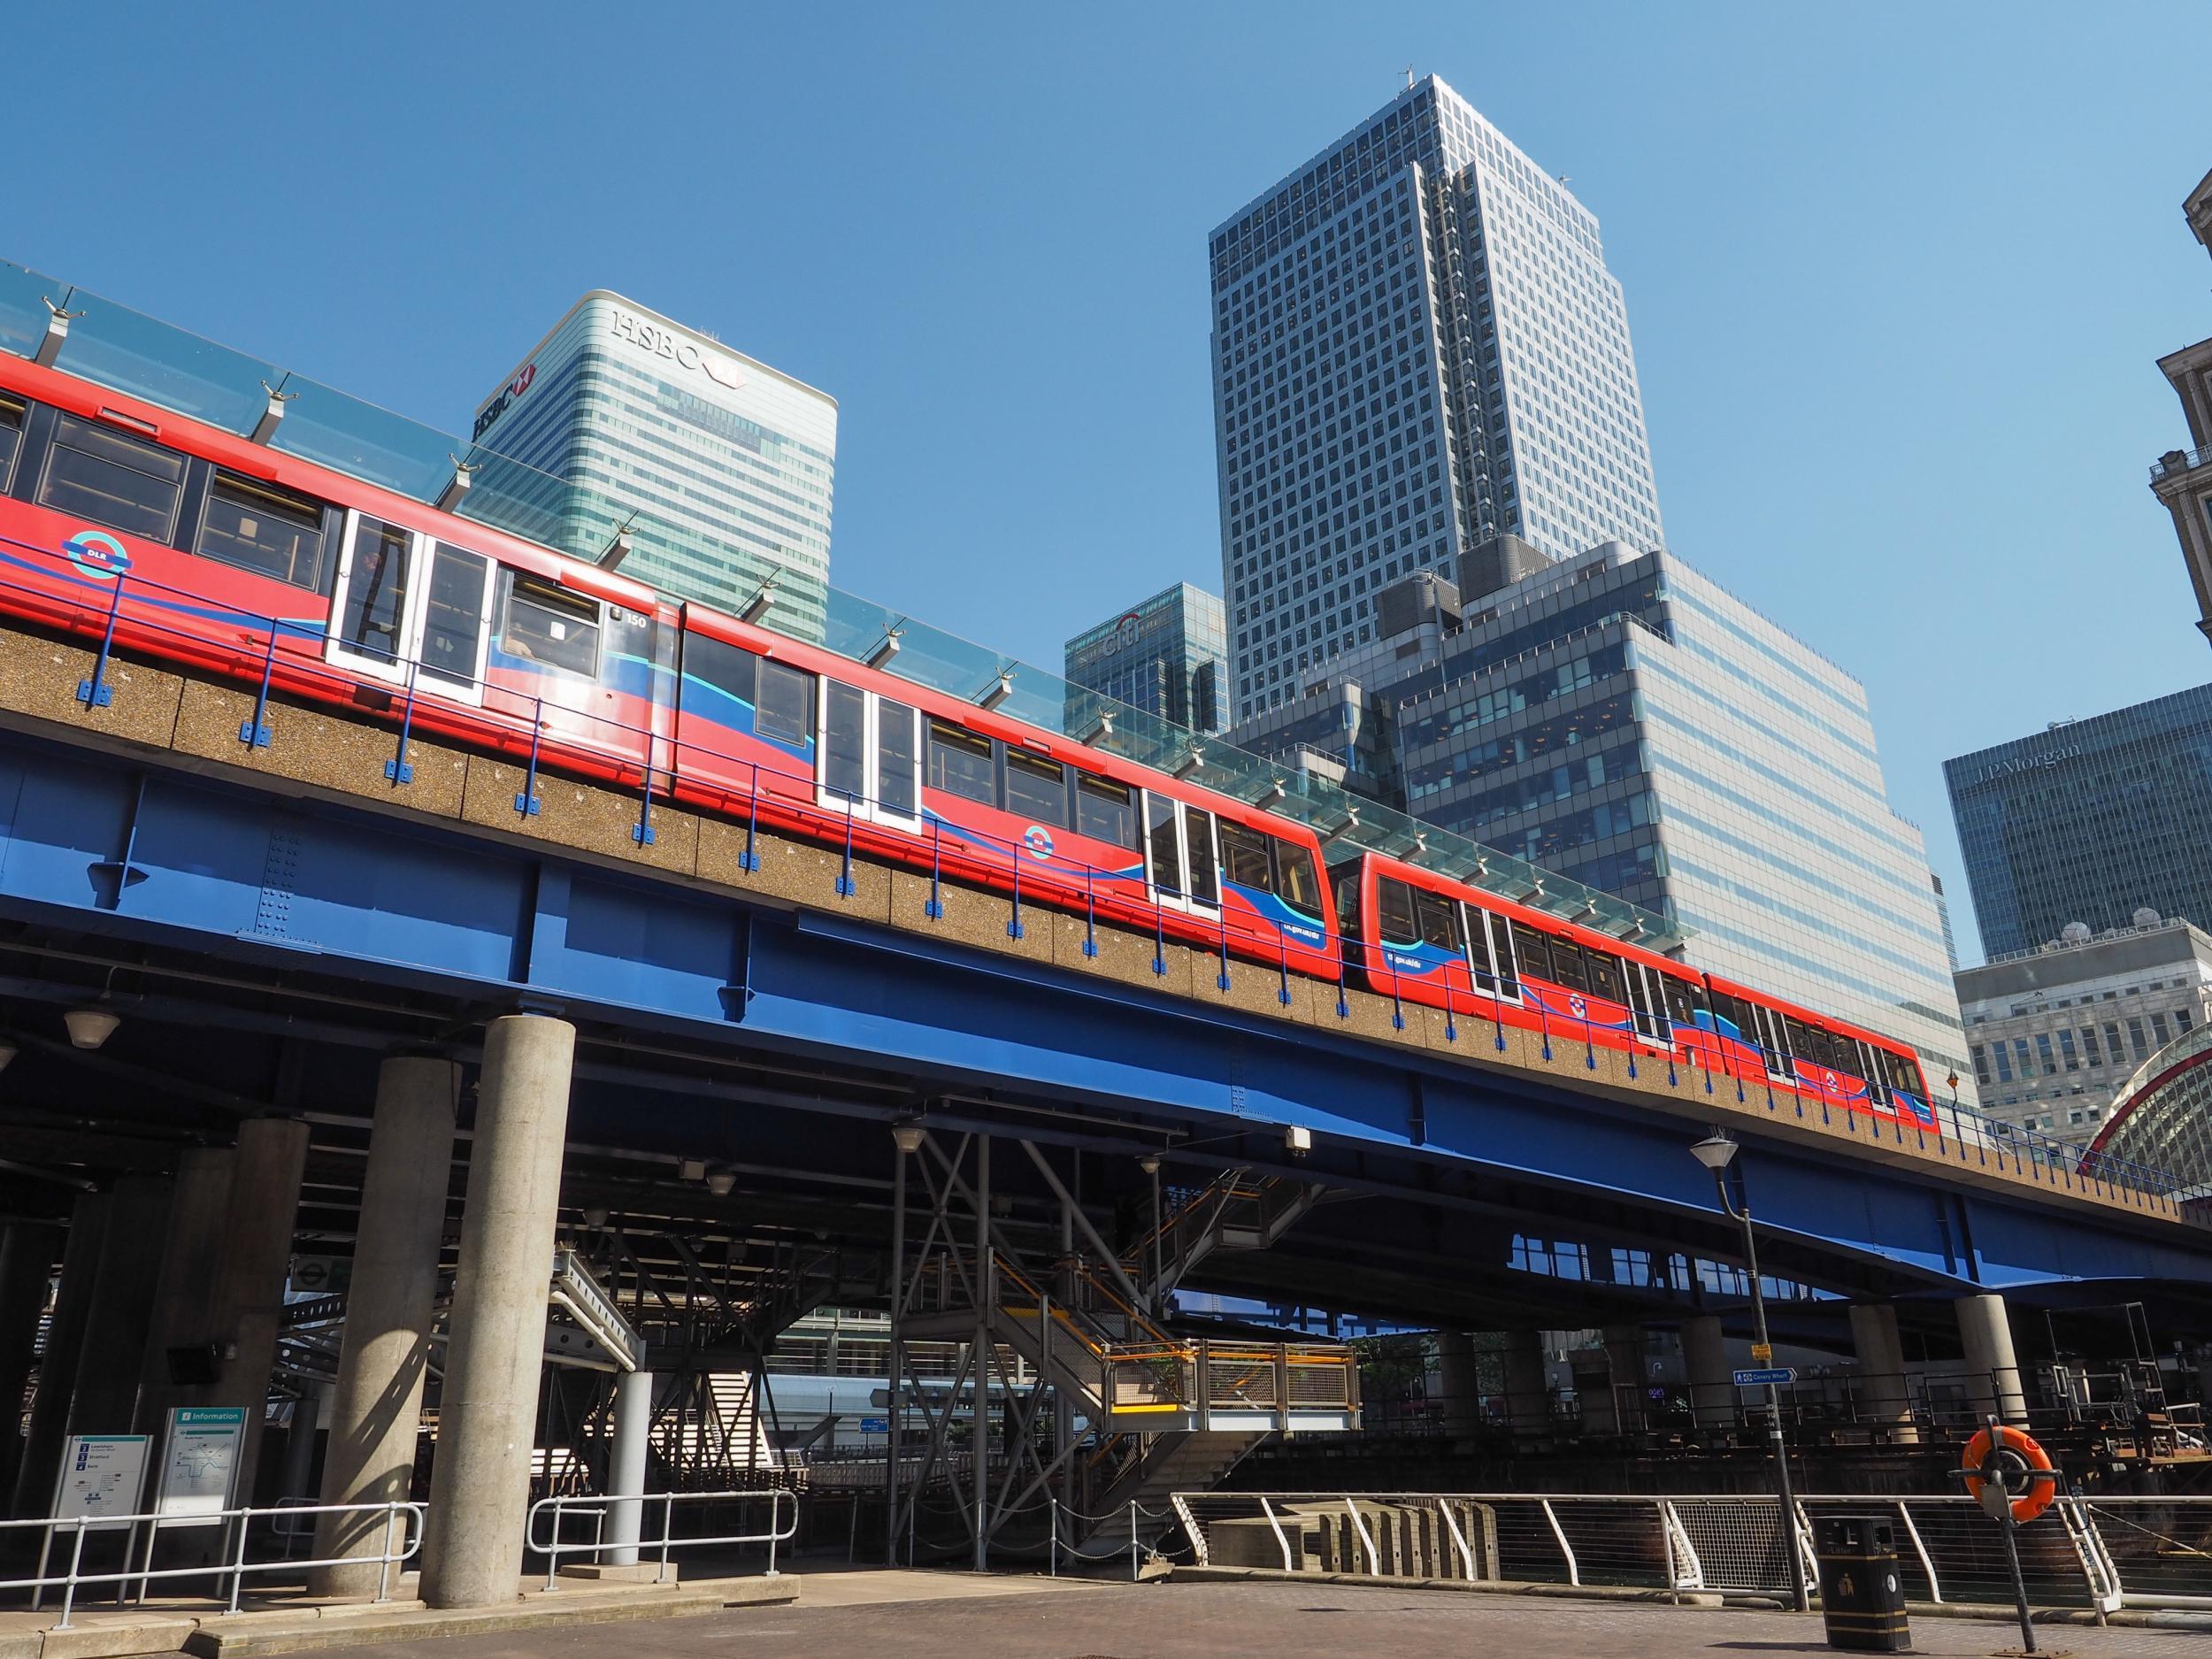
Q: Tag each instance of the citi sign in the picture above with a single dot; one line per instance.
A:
(498, 406)
(685, 354)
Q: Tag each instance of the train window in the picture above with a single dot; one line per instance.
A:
(960, 763)
(1105, 810)
(1682, 1000)
(373, 609)
(1036, 788)
(1771, 1039)
(261, 529)
(1244, 859)
(1605, 976)
(11, 439)
(721, 667)
(543, 623)
(1902, 1074)
(785, 708)
(1640, 1001)
(1568, 968)
(1726, 1007)
(1295, 883)
(1198, 849)
(1501, 943)
(1393, 906)
(1159, 829)
(898, 758)
(1870, 1067)
(111, 478)
(1439, 918)
(844, 758)
(453, 620)
(1533, 952)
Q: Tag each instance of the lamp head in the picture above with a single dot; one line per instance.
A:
(1716, 1152)
(906, 1136)
(1149, 1164)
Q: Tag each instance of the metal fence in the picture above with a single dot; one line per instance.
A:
(2096, 1553)
(597, 1509)
(398, 1541)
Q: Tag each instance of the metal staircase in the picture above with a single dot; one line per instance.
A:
(1072, 1380)
(1234, 1211)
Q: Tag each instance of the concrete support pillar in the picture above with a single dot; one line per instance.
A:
(1625, 1362)
(480, 1485)
(58, 1371)
(1527, 1388)
(1884, 1394)
(376, 1409)
(119, 1328)
(1993, 1372)
(1459, 1380)
(1705, 1367)
(633, 1424)
(221, 1294)
(28, 1250)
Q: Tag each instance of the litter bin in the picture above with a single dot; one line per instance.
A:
(1861, 1595)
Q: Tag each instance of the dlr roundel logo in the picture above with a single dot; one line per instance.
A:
(97, 554)
(1038, 839)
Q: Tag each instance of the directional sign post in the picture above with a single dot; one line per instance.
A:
(1773, 1377)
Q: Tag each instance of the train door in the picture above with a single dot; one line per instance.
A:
(1773, 1039)
(871, 754)
(1869, 1062)
(1490, 954)
(410, 606)
(1181, 858)
(1645, 1006)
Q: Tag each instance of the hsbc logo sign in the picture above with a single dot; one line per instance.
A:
(671, 347)
(500, 405)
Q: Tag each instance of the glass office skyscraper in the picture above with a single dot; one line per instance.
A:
(725, 462)
(1416, 346)
(1166, 656)
(1622, 720)
(2089, 821)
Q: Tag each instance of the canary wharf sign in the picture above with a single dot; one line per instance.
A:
(659, 341)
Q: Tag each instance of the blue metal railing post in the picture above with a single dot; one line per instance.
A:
(935, 909)
(749, 859)
(527, 803)
(396, 769)
(1014, 929)
(846, 885)
(95, 693)
(643, 833)
(1221, 920)
(1090, 909)
(255, 732)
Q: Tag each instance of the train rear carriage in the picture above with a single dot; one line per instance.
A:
(842, 751)
(1420, 935)
(1758, 1037)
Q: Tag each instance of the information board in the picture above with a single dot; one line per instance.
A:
(1774, 1376)
(101, 1475)
(199, 1464)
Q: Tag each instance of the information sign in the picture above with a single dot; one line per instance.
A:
(1777, 1375)
(875, 1425)
(101, 1475)
(199, 1464)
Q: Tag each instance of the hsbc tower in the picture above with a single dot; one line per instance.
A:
(721, 466)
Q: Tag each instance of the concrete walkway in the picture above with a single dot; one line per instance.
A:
(1012, 1618)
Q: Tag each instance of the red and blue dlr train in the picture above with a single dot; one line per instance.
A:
(186, 544)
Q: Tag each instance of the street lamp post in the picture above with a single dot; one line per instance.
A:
(1716, 1152)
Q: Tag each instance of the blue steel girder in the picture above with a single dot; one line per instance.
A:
(154, 855)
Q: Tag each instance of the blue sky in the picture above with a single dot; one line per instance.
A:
(1897, 274)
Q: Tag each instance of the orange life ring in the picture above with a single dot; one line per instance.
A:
(2034, 1460)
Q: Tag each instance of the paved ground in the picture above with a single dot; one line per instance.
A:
(1230, 1621)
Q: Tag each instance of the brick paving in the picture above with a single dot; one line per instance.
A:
(1278, 1621)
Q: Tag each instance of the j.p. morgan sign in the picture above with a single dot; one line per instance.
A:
(687, 355)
